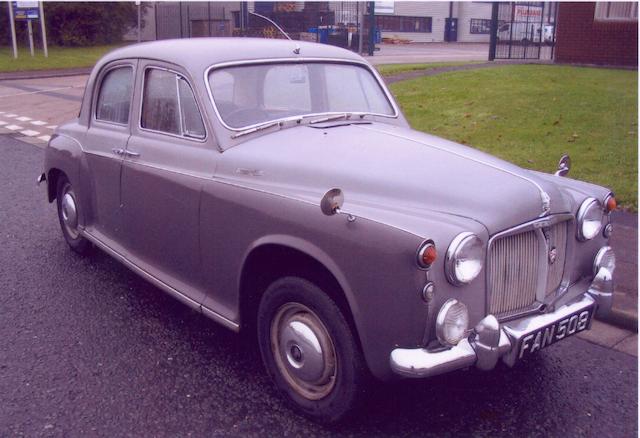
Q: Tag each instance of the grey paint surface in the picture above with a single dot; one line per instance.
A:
(191, 212)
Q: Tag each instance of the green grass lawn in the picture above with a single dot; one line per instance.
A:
(532, 114)
(59, 57)
(394, 69)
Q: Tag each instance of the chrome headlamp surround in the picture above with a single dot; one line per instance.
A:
(460, 243)
(452, 322)
(605, 258)
(591, 215)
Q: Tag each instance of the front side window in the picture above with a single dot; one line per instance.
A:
(254, 94)
(169, 106)
(114, 98)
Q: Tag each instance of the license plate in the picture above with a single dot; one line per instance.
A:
(552, 333)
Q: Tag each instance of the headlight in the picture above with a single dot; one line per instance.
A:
(464, 258)
(452, 322)
(590, 217)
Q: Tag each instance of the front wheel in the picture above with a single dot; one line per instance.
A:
(309, 349)
(68, 215)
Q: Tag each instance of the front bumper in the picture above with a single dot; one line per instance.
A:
(491, 340)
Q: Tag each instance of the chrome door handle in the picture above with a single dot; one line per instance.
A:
(118, 151)
(131, 154)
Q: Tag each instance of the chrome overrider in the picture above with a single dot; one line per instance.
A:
(490, 340)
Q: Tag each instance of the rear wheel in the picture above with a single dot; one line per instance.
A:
(68, 215)
(309, 349)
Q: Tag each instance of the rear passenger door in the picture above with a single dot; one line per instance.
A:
(169, 158)
(104, 146)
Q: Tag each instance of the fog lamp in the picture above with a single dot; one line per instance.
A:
(452, 322)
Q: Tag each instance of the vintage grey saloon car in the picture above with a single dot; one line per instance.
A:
(276, 187)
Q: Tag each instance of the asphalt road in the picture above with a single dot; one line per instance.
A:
(89, 349)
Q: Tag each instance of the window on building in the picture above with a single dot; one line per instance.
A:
(114, 99)
(392, 23)
(623, 11)
(480, 25)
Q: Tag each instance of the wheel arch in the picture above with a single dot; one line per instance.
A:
(274, 257)
(53, 175)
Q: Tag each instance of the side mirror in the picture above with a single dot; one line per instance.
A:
(563, 165)
(331, 202)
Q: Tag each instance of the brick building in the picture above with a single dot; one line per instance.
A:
(603, 33)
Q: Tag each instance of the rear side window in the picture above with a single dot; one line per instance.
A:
(114, 99)
(169, 106)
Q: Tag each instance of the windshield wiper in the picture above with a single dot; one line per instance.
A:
(330, 118)
(257, 128)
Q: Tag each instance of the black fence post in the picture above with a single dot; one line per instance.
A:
(493, 38)
(372, 27)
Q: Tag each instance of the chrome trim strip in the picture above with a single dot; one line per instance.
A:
(544, 197)
(169, 134)
(159, 283)
(363, 64)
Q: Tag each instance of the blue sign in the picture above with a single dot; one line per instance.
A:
(26, 10)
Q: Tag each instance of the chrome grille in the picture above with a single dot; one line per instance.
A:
(558, 240)
(519, 272)
(513, 272)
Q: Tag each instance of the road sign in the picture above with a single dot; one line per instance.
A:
(26, 10)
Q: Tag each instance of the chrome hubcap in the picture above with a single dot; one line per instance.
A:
(303, 351)
(69, 213)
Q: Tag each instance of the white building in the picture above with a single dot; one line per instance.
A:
(425, 22)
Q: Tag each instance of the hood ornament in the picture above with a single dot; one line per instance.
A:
(546, 203)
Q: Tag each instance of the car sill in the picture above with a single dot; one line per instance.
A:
(162, 285)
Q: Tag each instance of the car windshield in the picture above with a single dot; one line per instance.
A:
(249, 95)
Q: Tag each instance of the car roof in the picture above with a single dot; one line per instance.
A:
(196, 54)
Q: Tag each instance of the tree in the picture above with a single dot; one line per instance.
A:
(79, 24)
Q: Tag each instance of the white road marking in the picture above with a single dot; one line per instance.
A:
(1, 112)
(52, 126)
(29, 132)
(14, 127)
(2, 122)
(23, 119)
(38, 122)
(11, 115)
(45, 137)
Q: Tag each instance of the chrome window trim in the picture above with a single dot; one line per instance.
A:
(96, 95)
(300, 60)
(169, 134)
(542, 301)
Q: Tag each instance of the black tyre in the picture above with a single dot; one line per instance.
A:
(68, 215)
(309, 350)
